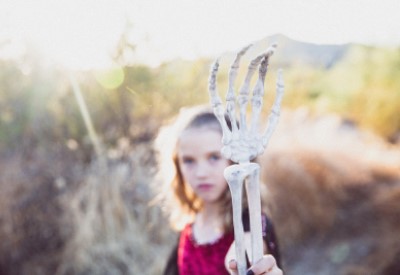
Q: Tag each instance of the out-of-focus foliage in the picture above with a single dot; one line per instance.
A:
(59, 213)
(364, 86)
(37, 103)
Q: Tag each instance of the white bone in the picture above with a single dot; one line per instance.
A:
(235, 175)
(242, 145)
(275, 112)
(254, 200)
(230, 95)
(217, 105)
(258, 91)
(244, 92)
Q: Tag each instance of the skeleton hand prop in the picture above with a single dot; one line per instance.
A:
(242, 144)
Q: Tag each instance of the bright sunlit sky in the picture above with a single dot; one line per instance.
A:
(80, 34)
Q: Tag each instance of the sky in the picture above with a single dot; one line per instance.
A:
(80, 34)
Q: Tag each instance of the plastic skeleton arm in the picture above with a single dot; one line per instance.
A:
(242, 144)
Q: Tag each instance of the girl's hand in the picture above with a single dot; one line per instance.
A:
(267, 265)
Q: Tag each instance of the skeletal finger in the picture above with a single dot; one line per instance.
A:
(212, 85)
(258, 91)
(264, 64)
(235, 65)
(217, 103)
(275, 112)
(244, 91)
(230, 96)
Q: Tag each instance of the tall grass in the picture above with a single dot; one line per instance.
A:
(108, 238)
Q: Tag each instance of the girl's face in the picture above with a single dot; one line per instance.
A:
(202, 164)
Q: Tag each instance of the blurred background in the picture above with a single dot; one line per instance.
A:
(85, 86)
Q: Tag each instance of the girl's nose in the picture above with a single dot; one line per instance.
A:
(203, 169)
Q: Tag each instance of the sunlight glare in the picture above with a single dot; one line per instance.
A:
(110, 78)
(75, 34)
(84, 34)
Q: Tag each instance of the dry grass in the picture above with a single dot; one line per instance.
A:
(332, 193)
(96, 222)
(30, 224)
(114, 229)
(333, 196)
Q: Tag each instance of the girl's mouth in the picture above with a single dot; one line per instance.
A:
(204, 187)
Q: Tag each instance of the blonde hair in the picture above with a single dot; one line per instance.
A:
(179, 202)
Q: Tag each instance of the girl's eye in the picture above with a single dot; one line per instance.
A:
(187, 160)
(215, 157)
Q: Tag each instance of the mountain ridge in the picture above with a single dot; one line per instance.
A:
(291, 51)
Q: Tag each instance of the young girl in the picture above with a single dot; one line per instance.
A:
(197, 199)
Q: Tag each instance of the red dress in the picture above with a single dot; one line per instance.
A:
(202, 259)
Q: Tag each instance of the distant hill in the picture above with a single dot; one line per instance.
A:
(292, 52)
